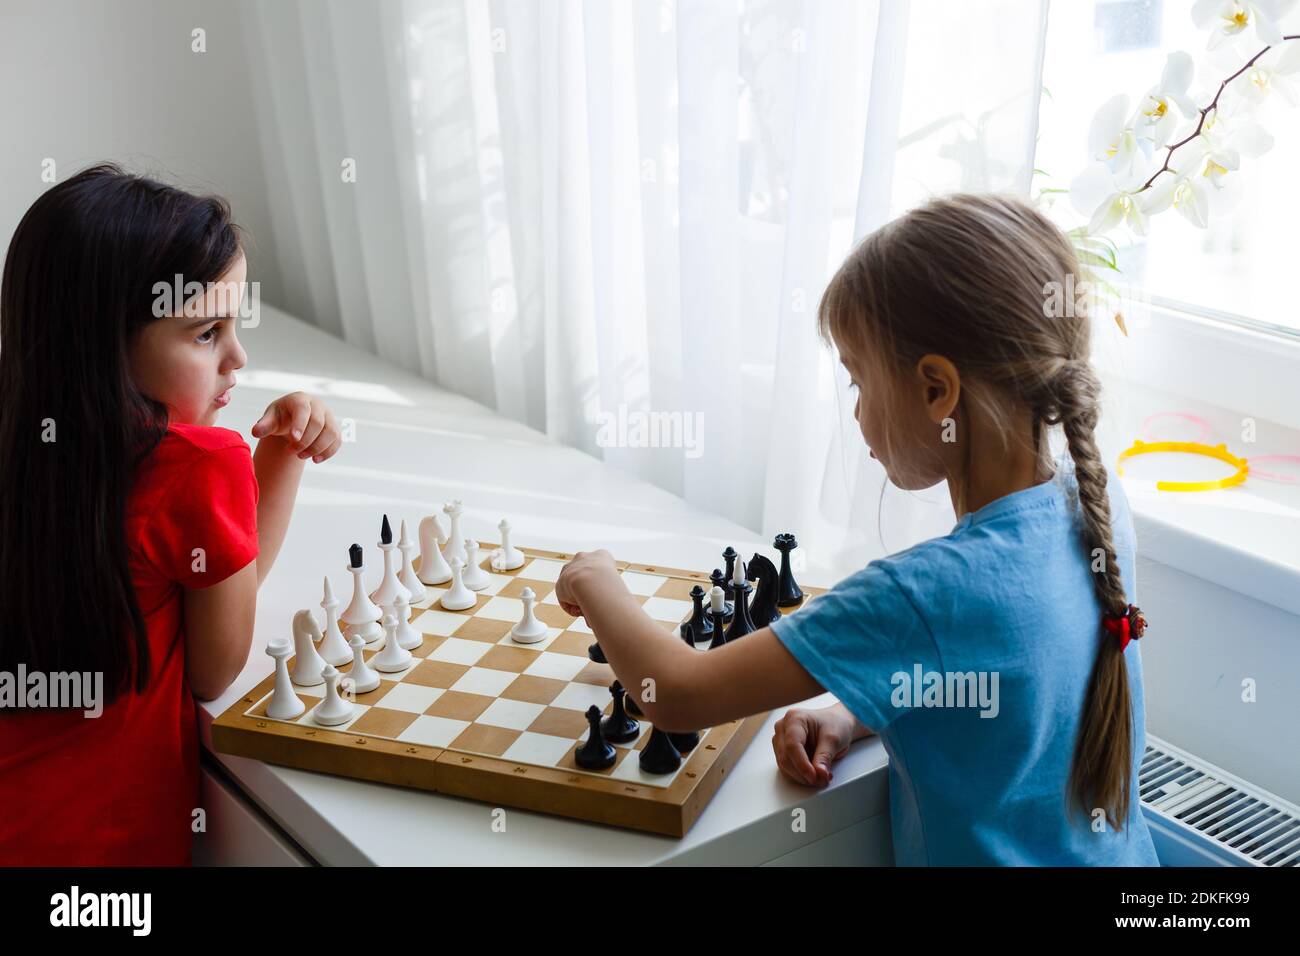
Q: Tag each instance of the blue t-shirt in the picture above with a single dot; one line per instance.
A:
(1004, 612)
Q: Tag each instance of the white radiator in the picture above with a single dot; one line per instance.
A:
(1200, 815)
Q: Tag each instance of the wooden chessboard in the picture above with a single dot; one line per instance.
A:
(477, 715)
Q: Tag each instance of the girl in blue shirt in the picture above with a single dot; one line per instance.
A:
(997, 663)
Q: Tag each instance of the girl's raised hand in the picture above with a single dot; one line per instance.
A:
(305, 423)
(807, 742)
(582, 568)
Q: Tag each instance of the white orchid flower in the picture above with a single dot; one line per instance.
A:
(1188, 194)
(1111, 139)
(1229, 19)
(1156, 118)
(1223, 143)
(1271, 74)
(1109, 200)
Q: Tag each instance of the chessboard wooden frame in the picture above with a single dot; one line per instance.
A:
(670, 810)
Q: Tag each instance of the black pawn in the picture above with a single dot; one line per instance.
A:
(386, 532)
(684, 743)
(596, 753)
(699, 626)
(659, 755)
(720, 581)
(789, 592)
(354, 556)
(730, 555)
(618, 727)
(596, 654)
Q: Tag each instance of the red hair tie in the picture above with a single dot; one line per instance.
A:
(1128, 626)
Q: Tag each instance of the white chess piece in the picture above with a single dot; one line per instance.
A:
(459, 598)
(393, 657)
(433, 566)
(410, 580)
(454, 546)
(390, 586)
(407, 636)
(507, 557)
(362, 615)
(473, 577)
(307, 663)
(285, 704)
(333, 709)
(362, 678)
(529, 630)
(333, 648)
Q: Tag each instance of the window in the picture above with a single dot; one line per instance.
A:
(1241, 264)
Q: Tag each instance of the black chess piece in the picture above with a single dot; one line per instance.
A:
(741, 623)
(719, 622)
(730, 555)
(596, 654)
(385, 532)
(659, 756)
(790, 593)
(720, 581)
(685, 742)
(763, 611)
(630, 705)
(596, 753)
(618, 727)
(699, 627)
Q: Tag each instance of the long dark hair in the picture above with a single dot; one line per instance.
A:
(78, 285)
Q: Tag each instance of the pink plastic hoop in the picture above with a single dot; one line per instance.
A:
(1207, 433)
(1271, 475)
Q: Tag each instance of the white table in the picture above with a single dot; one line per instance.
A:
(415, 447)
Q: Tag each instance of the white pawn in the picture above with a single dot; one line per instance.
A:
(454, 546)
(507, 557)
(362, 615)
(333, 709)
(362, 678)
(285, 704)
(459, 598)
(474, 577)
(407, 636)
(333, 648)
(529, 630)
(307, 663)
(410, 580)
(433, 566)
(389, 586)
(393, 657)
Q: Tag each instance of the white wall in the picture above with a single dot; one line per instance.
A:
(83, 81)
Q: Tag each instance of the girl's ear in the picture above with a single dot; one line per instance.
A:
(940, 385)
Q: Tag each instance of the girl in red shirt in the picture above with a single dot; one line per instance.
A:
(133, 532)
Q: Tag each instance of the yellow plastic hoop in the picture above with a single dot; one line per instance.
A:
(1217, 452)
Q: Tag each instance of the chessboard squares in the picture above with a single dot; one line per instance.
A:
(482, 739)
(540, 749)
(593, 673)
(456, 650)
(382, 722)
(455, 705)
(534, 690)
(679, 589)
(668, 609)
(410, 698)
(579, 626)
(501, 657)
(481, 680)
(630, 769)
(307, 721)
(571, 644)
(556, 666)
(439, 674)
(438, 622)
(558, 722)
(486, 630)
(581, 696)
(433, 731)
(511, 714)
(541, 569)
(515, 588)
(553, 615)
(643, 584)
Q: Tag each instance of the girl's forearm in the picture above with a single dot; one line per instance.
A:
(647, 658)
(278, 472)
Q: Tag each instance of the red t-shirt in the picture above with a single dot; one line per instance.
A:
(121, 789)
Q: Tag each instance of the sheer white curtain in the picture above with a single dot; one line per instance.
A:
(574, 212)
